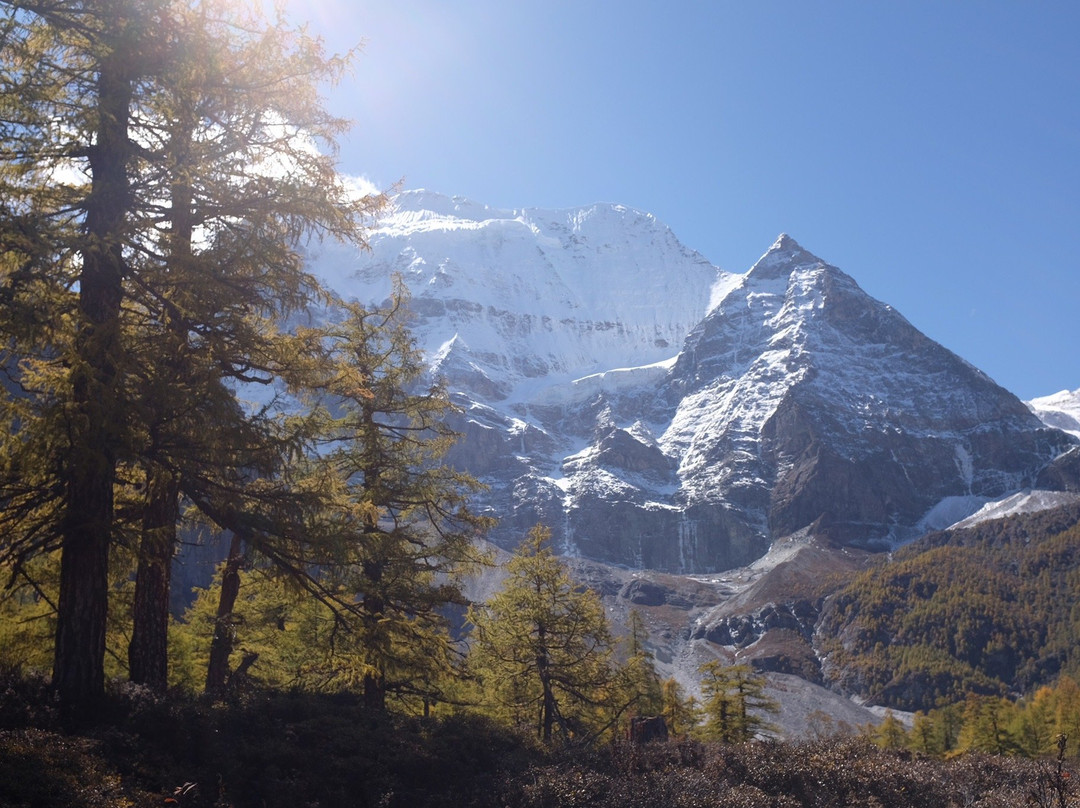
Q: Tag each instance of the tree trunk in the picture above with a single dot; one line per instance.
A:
(148, 652)
(374, 692)
(79, 660)
(548, 706)
(217, 672)
(79, 657)
(374, 608)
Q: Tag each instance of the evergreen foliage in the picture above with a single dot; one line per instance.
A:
(541, 648)
(164, 165)
(157, 177)
(389, 542)
(641, 692)
(400, 523)
(1030, 727)
(680, 711)
(733, 700)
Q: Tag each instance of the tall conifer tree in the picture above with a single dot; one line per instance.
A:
(541, 646)
(734, 702)
(149, 204)
(401, 519)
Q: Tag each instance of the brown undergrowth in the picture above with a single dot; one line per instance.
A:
(294, 750)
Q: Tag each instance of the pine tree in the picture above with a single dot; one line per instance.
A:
(734, 698)
(640, 684)
(231, 125)
(541, 646)
(1067, 710)
(1033, 724)
(718, 704)
(986, 725)
(948, 726)
(400, 521)
(289, 640)
(924, 737)
(95, 129)
(70, 73)
(388, 531)
(890, 733)
(679, 710)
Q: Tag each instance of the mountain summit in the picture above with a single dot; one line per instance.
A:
(508, 300)
(827, 407)
(657, 412)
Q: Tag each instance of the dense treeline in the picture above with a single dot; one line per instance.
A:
(169, 362)
(993, 610)
(1033, 726)
(159, 173)
(539, 657)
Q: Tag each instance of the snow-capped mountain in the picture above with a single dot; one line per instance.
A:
(659, 413)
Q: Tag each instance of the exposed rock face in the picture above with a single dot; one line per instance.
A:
(685, 595)
(1063, 474)
(658, 413)
(744, 630)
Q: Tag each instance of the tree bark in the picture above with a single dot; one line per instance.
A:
(543, 669)
(217, 672)
(79, 659)
(374, 609)
(148, 652)
(374, 692)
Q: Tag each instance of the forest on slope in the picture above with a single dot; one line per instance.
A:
(992, 609)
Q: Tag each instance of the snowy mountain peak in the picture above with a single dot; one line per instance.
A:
(432, 204)
(657, 412)
(533, 296)
(1060, 410)
(783, 258)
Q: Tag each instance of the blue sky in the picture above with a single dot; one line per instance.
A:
(929, 149)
